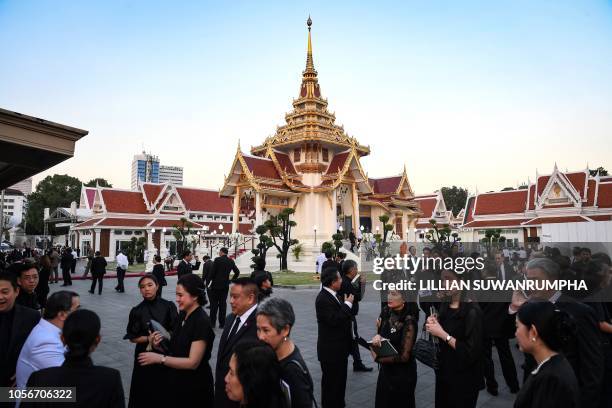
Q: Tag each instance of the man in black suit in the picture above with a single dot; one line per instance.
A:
(354, 284)
(98, 270)
(16, 323)
(329, 261)
(504, 270)
(584, 350)
(219, 285)
(334, 341)
(184, 267)
(242, 326)
(206, 271)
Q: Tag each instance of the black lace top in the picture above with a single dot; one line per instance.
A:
(400, 328)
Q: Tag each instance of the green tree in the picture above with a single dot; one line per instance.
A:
(600, 170)
(337, 237)
(99, 181)
(454, 198)
(493, 239)
(264, 243)
(279, 229)
(51, 192)
(441, 234)
(135, 250)
(382, 240)
(181, 233)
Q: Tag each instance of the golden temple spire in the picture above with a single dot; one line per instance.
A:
(309, 61)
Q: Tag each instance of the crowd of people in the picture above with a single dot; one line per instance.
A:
(47, 341)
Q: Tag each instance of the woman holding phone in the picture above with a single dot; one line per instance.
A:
(152, 307)
(398, 374)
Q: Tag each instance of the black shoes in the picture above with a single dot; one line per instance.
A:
(91, 291)
(361, 368)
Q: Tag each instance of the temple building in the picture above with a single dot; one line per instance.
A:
(557, 207)
(311, 165)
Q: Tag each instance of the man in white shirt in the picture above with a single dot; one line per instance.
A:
(122, 265)
(43, 347)
(320, 259)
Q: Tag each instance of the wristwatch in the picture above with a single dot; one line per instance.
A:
(448, 338)
(163, 360)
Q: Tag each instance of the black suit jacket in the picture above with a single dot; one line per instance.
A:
(247, 332)
(334, 326)
(222, 266)
(183, 268)
(348, 288)
(95, 386)
(207, 270)
(98, 266)
(24, 321)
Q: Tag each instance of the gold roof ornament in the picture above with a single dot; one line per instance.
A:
(310, 121)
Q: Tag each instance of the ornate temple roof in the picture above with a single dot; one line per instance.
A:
(310, 121)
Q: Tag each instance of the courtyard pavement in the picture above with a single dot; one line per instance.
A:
(113, 309)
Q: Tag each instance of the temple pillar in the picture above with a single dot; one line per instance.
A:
(405, 226)
(97, 239)
(236, 211)
(355, 200)
(258, 214)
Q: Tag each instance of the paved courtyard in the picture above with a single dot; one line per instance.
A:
(115, 352)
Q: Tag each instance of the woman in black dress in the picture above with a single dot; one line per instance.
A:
(253, 379)
(144, 379)
(540, 331)
(275, 319)
(397, 376)
(42, 290)
(189, 379)
(459, 328)
(160, 274)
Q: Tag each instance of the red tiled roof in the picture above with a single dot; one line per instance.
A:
(124, 222)
(468, 210)
(151, 191)
(337, 163)
(554, 220)
(532, 197)
(607, 217)
(385, 185)
(427, 205)
(578, 180)
(261, 167)
(88, 223)
(204, 200)
(503, 202)
(90, 193)
(604, 195)
(121, 201)
(285, 162)
(591, 193)
(171, 223)
(541, 182)
(495, 223)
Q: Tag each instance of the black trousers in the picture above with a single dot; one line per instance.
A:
(96, 279)
(66, 276)
(449, 395)
(333, 383)
(218, 303)
(505, 358)
(355, 346)
(73, 266)
(120, 277)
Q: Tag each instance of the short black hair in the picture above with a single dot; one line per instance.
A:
(194, 285)
(224, 250)
(328, 254)
(249, 284)
(157, 258)
(585, 249)
(186, 253)
(9, 277)
(19, 268)
(205, 258)
(98, 253)
(329, 275)
(80, 331)
(59, 302)
(348, 265)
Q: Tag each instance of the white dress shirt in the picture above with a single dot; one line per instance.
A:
(242, 319)
(42, 349)
(122, 261)
(320, 259)
(335, 295)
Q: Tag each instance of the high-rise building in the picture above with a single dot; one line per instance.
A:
(171, 175)
(145, 168)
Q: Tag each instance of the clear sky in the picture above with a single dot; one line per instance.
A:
(471, 93)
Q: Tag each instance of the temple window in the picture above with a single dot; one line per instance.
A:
(297, 155)
(325, 154)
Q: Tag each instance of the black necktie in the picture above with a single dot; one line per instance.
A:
(234, 328)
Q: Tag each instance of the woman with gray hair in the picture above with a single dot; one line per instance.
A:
(275, 319)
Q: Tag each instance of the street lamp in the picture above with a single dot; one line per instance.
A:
(314, 227)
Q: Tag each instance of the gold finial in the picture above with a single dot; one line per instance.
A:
(309, 62)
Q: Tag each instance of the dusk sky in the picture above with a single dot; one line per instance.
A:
(471, 93)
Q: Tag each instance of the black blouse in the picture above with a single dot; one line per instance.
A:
(554, 385)
(161, 310)
(400, 329)
(463, 364)
(295, 373)
(195, 327)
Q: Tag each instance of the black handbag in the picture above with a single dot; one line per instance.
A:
(426, 349)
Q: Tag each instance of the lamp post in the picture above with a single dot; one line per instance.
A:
(314, 227)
